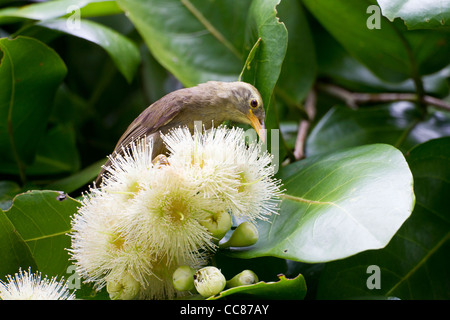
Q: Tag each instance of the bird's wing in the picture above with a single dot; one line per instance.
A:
(150, 120)
(147, 123)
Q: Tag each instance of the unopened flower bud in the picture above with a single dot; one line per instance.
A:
(218, 224)
(183, 278)
(209, 281)
(246, 277)
(245, 235)
(126, 288)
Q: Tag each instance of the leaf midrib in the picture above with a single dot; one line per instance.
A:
(418, 265)
(214, 32)
(10, 109)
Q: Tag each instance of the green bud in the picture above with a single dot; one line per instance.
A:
(183, 278)
(246, 277)
(126, 288)
(218, 224)
(209, 281)
(245, 235)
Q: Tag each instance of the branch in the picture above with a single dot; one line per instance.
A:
(352, 99)
(304, 125)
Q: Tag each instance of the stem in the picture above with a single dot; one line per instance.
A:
(414, 73)
(352, 99)
(250, 57)
(304, 125)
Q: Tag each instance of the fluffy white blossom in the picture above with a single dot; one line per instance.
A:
(30, 286)
(145, 220)
(101, 251)
(227, 168)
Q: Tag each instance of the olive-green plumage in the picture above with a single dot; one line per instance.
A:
(211, 103)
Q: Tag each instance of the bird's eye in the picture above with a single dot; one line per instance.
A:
(254, 103)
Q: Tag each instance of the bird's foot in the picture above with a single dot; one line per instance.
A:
(160, 160)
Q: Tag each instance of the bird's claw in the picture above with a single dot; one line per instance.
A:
(160, 160)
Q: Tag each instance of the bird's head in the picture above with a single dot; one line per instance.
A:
(248, 106)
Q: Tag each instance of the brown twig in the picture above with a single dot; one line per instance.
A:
(304, 125)
(353, 99)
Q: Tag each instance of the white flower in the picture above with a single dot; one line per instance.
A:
(167, 214)
(227, 168)
(128, 170)
(142, 223)
(100, 250)
(146, 220)
(259, 192)
(30, 286)
(206, 159)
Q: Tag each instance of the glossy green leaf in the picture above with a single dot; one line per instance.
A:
(337, 205)
(344, 70)
(415, 263)
(418, 14)
(28, 82)
(290, 289)
(381, 49)
(8, 189)
(429, 49)
(399, 124)
(299, 68)
(198, 41)
(195, 40)
(79, 179)
(264, 69)
(42, 218)
(390, 51)
(122, 50)
(14, 253)
(56, 153)
(58, 8)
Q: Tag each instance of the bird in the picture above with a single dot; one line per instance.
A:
(212, 102)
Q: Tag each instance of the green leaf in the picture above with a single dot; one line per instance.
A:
(398, 123)
(122, 50)
(79, 179)
(265, 67)
(28, 82)
(57, 153)
(299, 68)
(8, 189)
(14, 253)
(42, 218)
(291, 289)
(55, 9)
(390, 51)
(196, 41)
(381, 49)
(344, 70)
(415, 263)
(337, 205)
(418, 14)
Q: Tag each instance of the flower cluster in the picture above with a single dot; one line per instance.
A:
(150, 216)
(30, 286)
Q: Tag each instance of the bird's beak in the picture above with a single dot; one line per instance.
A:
(257, 125)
